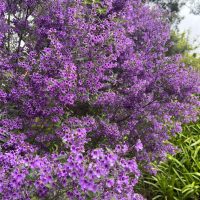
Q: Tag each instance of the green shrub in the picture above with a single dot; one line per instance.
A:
(178, 178)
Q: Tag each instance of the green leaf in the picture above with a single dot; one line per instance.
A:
(101, 10)
(196, 151)
(34, 198)
(180, 178)
(154, 185)
(197, 142)
(157, 197)
(48, 186)
(176, 161)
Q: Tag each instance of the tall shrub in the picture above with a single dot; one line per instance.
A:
(86, 94)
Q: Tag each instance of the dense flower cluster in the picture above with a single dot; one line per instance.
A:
(86, 96)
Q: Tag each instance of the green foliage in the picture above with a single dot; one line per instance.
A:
(178, 177)
(192, 60)
(180, 45)
(89, 2)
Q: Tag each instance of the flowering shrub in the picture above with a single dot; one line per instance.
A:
(86, 94)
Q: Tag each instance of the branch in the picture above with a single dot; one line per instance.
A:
(128, 117)
(21, 35)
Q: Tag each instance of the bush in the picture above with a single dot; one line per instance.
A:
(179, 176)
(86, 95)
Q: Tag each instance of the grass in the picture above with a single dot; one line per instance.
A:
(178, 178)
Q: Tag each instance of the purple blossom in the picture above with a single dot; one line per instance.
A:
(81, 87)
(138, 145)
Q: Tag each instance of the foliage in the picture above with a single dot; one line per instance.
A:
(179, 176)
(180, 44)
(86, 95)
(173, 7)
(192, 60)
(194, 6)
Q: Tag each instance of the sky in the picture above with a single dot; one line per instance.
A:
(191, 23)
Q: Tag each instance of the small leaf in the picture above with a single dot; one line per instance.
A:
(194, 144)
(157, 197)
(196, 151)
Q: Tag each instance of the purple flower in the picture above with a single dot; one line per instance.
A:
(110, 183)
(138, 145)
(79, 84)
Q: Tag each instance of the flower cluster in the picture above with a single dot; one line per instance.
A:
(73, 173)
(87, 95)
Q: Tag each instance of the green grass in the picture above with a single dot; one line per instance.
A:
(178, 178)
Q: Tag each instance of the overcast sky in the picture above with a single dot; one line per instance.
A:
(191, 23)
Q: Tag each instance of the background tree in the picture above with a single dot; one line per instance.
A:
(195, 6)
(173, 7)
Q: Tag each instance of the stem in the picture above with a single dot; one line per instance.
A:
(9, 36)
(21, 34)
